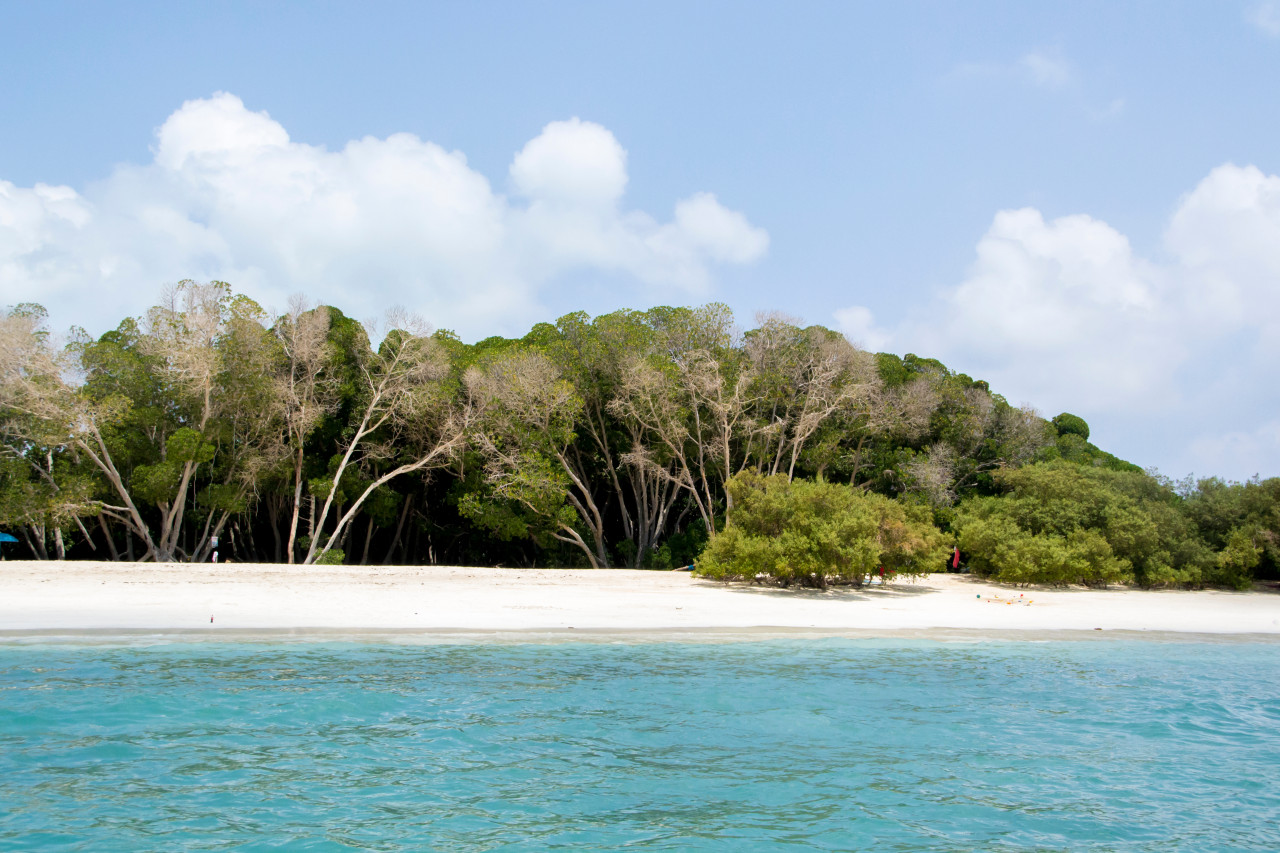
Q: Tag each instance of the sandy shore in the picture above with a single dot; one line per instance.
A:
(86, 596)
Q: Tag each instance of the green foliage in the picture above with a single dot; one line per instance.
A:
(158, 483)
(332, 557)
(1060, 523)
(1227, 515)
(605, 439)
(43, 488)
(188, 445)
(222, 497)
(893, 373)
(1069, 424)
(999, 548)
(1236, 561)
(817, 534)
(383, 505)
(1072, 448)
(525, 510)
(682, 549)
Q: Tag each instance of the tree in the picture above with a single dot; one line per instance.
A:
(525, 434)
(1241, 521)
(595, 355)
(1069, 424)
(43, 486)
(155, 404)
(804, 379)
(305, 390)
(42, 408)
(410, 418)
(246, 432)
(692, 403)
(1061, 523)
(614, 438)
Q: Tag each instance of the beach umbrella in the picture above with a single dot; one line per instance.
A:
(5, 537)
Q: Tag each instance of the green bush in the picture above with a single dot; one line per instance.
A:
(1228, 514)
(332, 557)
(997, 547)
(1061, 523)
(818, 534)
(1235, 563)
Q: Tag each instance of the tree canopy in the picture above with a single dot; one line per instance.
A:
(635, 438)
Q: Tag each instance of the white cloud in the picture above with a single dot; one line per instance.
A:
(573, 162)
(1266, 17)
(1179, 351)
(1233, 450)
(1225, 236)
(379, 222)
(858, 325)
(1038, 68)
(1046, 70)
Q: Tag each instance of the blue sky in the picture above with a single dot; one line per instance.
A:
(1077, 203)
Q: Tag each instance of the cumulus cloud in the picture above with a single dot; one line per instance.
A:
(1177, 353)
(574, 163)
(399, 220)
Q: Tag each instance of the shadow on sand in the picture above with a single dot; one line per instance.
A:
(875, 592)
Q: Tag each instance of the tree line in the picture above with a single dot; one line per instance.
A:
(619, 440)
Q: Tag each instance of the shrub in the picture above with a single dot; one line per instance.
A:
(332, 557)
(1061, 523)
(1235, 563)
(1228, 514)
(818, 534)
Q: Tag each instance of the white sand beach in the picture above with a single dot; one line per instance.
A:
(90, 596)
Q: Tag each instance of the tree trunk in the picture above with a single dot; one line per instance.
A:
(106, 533)
(368, 537)
(395, 541)
(297, 503)
(36, 542)
(93, 546)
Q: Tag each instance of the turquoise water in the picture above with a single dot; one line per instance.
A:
(831, 744)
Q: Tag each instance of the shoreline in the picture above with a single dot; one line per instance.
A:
(130, 638)
(85, 598)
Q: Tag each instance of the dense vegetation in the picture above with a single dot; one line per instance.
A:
(818, 533)
(636, 438)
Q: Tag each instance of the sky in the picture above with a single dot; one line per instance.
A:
(1079, 203)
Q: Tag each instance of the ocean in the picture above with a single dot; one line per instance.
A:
(135, 743)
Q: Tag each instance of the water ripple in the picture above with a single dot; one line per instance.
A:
(779, 745)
